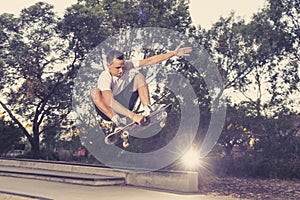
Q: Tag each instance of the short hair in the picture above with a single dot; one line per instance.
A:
(111, 55)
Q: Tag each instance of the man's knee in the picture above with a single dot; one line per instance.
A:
(139, 77)
(139, 81)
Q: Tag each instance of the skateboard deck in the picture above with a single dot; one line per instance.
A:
(121, 134)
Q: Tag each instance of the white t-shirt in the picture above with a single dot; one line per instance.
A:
(117, 84)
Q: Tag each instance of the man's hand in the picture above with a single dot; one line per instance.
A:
(182, 51)
(139, 119)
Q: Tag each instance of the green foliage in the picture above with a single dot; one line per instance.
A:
(254, 58)
(274, 156)
(89, 22)
(10, 135)
(35, 87)
(83, 28)
(259, 61)
(278, 147)
(260, 147)
(121, 14)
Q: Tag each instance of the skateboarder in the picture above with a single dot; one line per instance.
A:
(121, 82)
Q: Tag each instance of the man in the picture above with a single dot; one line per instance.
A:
(120, 80)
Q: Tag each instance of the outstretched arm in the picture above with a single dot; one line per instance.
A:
(179, 51)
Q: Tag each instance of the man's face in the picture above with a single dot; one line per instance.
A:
(115, 68)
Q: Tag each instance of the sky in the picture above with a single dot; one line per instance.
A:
(206, 12)
(203, 12)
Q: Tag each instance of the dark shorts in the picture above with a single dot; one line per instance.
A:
(127, 98)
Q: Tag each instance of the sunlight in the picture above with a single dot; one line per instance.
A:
(190, 159)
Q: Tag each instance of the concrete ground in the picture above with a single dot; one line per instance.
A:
(18, 189)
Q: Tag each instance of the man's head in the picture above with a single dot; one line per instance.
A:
(115, 62)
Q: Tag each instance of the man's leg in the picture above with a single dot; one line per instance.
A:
(141, 86)
(105, 111)
(109, 112)
(106, 124)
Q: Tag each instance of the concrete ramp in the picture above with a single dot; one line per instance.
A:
(17, 196)
(66, 177)
(176, 181)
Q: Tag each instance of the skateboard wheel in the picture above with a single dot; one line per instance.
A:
(162, 124)
(125, 134)
(125, 144)
(164, 114)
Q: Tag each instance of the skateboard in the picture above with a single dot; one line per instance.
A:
(121, 134)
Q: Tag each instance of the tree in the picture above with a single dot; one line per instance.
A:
(149, 13)
(259, 61)
(36, 82)
(251, 57)
(83, 27)
(284, 14)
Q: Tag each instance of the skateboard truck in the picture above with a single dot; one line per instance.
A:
(113, 137)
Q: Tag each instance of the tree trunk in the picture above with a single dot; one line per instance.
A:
(35, 148)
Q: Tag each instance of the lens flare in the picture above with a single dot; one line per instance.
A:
(191, 159)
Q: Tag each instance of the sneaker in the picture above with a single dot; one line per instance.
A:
(107, 126)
